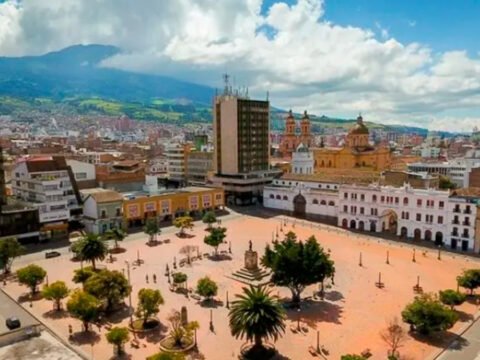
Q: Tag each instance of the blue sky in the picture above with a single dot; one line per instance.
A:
(441, 24)
(397, 61)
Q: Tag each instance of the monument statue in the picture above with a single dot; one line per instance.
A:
(249, 245)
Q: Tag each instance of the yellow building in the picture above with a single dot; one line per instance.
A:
(137, 207)
(357, 152)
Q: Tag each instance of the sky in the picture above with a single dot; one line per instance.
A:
(412, 62)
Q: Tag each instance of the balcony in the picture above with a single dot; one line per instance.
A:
(456, 222)
(456, 210)
(466, 235)
(466, 223)
(467, 211)
(454, 233)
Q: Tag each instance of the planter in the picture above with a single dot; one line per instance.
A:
(167, 345)
(137, 326)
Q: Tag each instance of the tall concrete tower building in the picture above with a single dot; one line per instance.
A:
(241, 128)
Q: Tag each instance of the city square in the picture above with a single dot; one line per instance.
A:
(348, 320)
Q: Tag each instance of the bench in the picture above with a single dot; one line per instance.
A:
(196, 297)
(312, 351)
(135, 344)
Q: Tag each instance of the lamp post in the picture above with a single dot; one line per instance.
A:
(360, 260)
(413, 257)
(211, 320)
(298, 319)
(130, 294)
(318, 341)
(228, 303)
(388, 258)
(439, 257)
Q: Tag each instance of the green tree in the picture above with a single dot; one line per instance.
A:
(118, 336)
(295, 264)
(151, 228)
(31, 276)
(149, 302)
(179, 278)
(445, 183)
(470, 279)
(56, 291)
(206, 287)
(167, 356)
(215, 238)
(353, 357)
(451, 298)
(116, 235)
(80, 276)
(91, 248)
(84, 307)
(426, 315)
(109, 286)
(10, 248)
(256, 315)
(209, 218)
(183, 223)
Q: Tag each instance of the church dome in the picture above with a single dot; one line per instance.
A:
(359, 128)
(302, 148)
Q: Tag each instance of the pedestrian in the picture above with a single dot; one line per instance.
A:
(154, 278)
(146, 278)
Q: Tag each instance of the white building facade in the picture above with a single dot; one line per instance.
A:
(405, 212)
(302, 160)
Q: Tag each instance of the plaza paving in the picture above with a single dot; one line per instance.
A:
(349, 320)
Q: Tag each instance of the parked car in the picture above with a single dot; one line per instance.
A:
(51, 254)
(12, 323)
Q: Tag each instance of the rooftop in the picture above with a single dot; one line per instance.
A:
(189, 189)
(102, 195)
(338, 176)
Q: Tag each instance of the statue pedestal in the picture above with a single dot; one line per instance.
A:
(251, 273)
(251, 260)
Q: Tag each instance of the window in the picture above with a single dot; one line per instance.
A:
(362, 197)
(323, 202)
(285, 197)
(465, 233)
(467, 210)
(382, 199)
(331, 203)
(103, 214)
(405, 201)
(345, 195)
(419, 217)
(272, 196)
(440, 219)
(345, 208)
(362, 210)
(278, 197)
(315, 201)
(441, 204)
(374, 198)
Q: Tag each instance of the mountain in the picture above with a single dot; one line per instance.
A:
(75, 72)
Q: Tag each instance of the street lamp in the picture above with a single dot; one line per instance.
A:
(130, 294)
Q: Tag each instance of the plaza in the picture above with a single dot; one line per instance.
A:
(348, 320)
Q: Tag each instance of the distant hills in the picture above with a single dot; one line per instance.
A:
(70, 80)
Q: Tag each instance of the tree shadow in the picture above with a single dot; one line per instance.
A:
(117, 250)
(185, 235)
(154, 243)
(27, 297)
(334, 296)
(119, 315)
(313, 312)
(472, 299)
(124, 356)
(220, 257)
(211, 303)
(56, 314)
(442, 339)
(85, 337)
(464, 316)
(154, 336)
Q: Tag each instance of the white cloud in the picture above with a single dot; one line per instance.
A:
(305, 61)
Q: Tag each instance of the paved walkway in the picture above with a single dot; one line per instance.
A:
(470, 350)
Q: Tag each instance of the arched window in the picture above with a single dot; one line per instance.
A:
(323, 202)
(323, 163)
(279, 197)
(272, 196)
(405, 201)
(285, 197)
(331, 203)
(374, 198)
(315, 201)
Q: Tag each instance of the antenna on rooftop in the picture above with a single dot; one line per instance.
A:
(226, 80)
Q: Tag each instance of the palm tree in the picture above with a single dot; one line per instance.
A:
(116, 234)
(256, 315)
(92, 248)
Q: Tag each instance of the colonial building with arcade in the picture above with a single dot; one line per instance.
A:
(445, 218)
